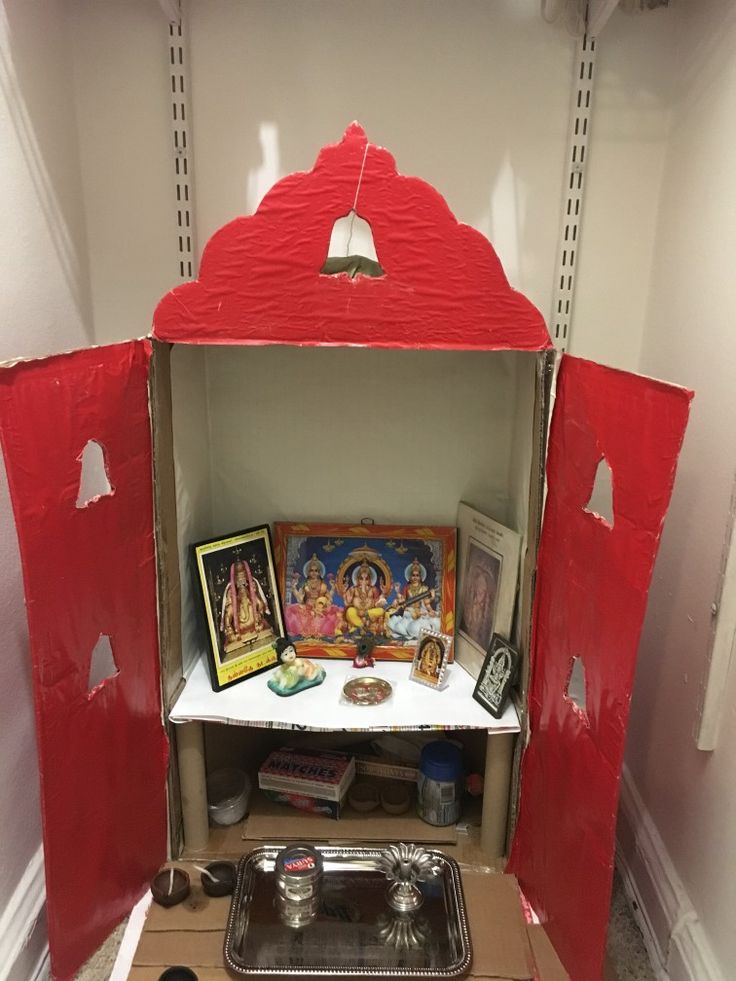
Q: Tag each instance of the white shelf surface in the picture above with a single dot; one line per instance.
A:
(412, 706)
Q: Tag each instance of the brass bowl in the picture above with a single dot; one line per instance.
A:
(367, 690)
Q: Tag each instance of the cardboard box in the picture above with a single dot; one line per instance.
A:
(335, 397)
(366, 766)
(317, 774)
(305, 804)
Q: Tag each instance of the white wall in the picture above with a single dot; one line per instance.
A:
(472, 96)
(45, 308)
(689, 338)
(121, 88)
(628, 143)
(321, 435)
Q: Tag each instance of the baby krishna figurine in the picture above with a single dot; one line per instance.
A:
(294, 674)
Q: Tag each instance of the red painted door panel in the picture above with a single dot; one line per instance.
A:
(592, 584)
(90, 582)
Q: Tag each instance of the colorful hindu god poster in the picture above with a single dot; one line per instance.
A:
(339, 583)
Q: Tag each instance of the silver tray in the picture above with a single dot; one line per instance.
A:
(354, 934)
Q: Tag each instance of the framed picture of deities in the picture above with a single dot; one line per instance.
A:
(488, 573)
(236, 577)
(341, 583)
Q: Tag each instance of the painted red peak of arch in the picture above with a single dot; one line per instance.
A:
(260, 280)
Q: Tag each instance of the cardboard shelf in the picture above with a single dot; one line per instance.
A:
(412, 706)
(268, 822)
(233, 842)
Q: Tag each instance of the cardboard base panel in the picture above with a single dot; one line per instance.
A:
(505, 948)
(233, 842)
(269, 821)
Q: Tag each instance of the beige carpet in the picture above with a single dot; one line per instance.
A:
(626, 948)
(99, 966)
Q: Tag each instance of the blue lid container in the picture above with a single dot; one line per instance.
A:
(442, 761)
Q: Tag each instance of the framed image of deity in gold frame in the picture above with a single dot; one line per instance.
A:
(340, 583)
(431, 658)
(236, 578)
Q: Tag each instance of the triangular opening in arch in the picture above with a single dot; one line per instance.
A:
(352, 249)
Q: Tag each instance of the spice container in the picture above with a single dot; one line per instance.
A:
(440, 783)
(298, 871)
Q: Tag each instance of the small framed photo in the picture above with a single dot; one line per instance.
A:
(497, 675)
(431, 658)
(242, 612)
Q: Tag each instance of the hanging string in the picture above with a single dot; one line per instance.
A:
(353, 211)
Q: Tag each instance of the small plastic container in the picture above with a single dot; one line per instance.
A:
(440, 783)
(228, 792)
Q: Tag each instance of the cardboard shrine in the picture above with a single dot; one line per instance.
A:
(271, 390)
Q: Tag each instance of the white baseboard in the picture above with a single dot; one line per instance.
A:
(674, 937)
(42, 970)
(131, 936)
(23, 940)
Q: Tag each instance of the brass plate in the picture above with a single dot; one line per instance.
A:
(366, 691)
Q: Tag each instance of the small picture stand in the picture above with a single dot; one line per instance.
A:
(497, 675)
(430, 664)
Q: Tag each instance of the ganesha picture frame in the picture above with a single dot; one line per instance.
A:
(236, 579)
(340, 583)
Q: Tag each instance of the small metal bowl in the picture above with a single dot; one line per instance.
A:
(224, 873)
(178, 973)
(168, 893)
